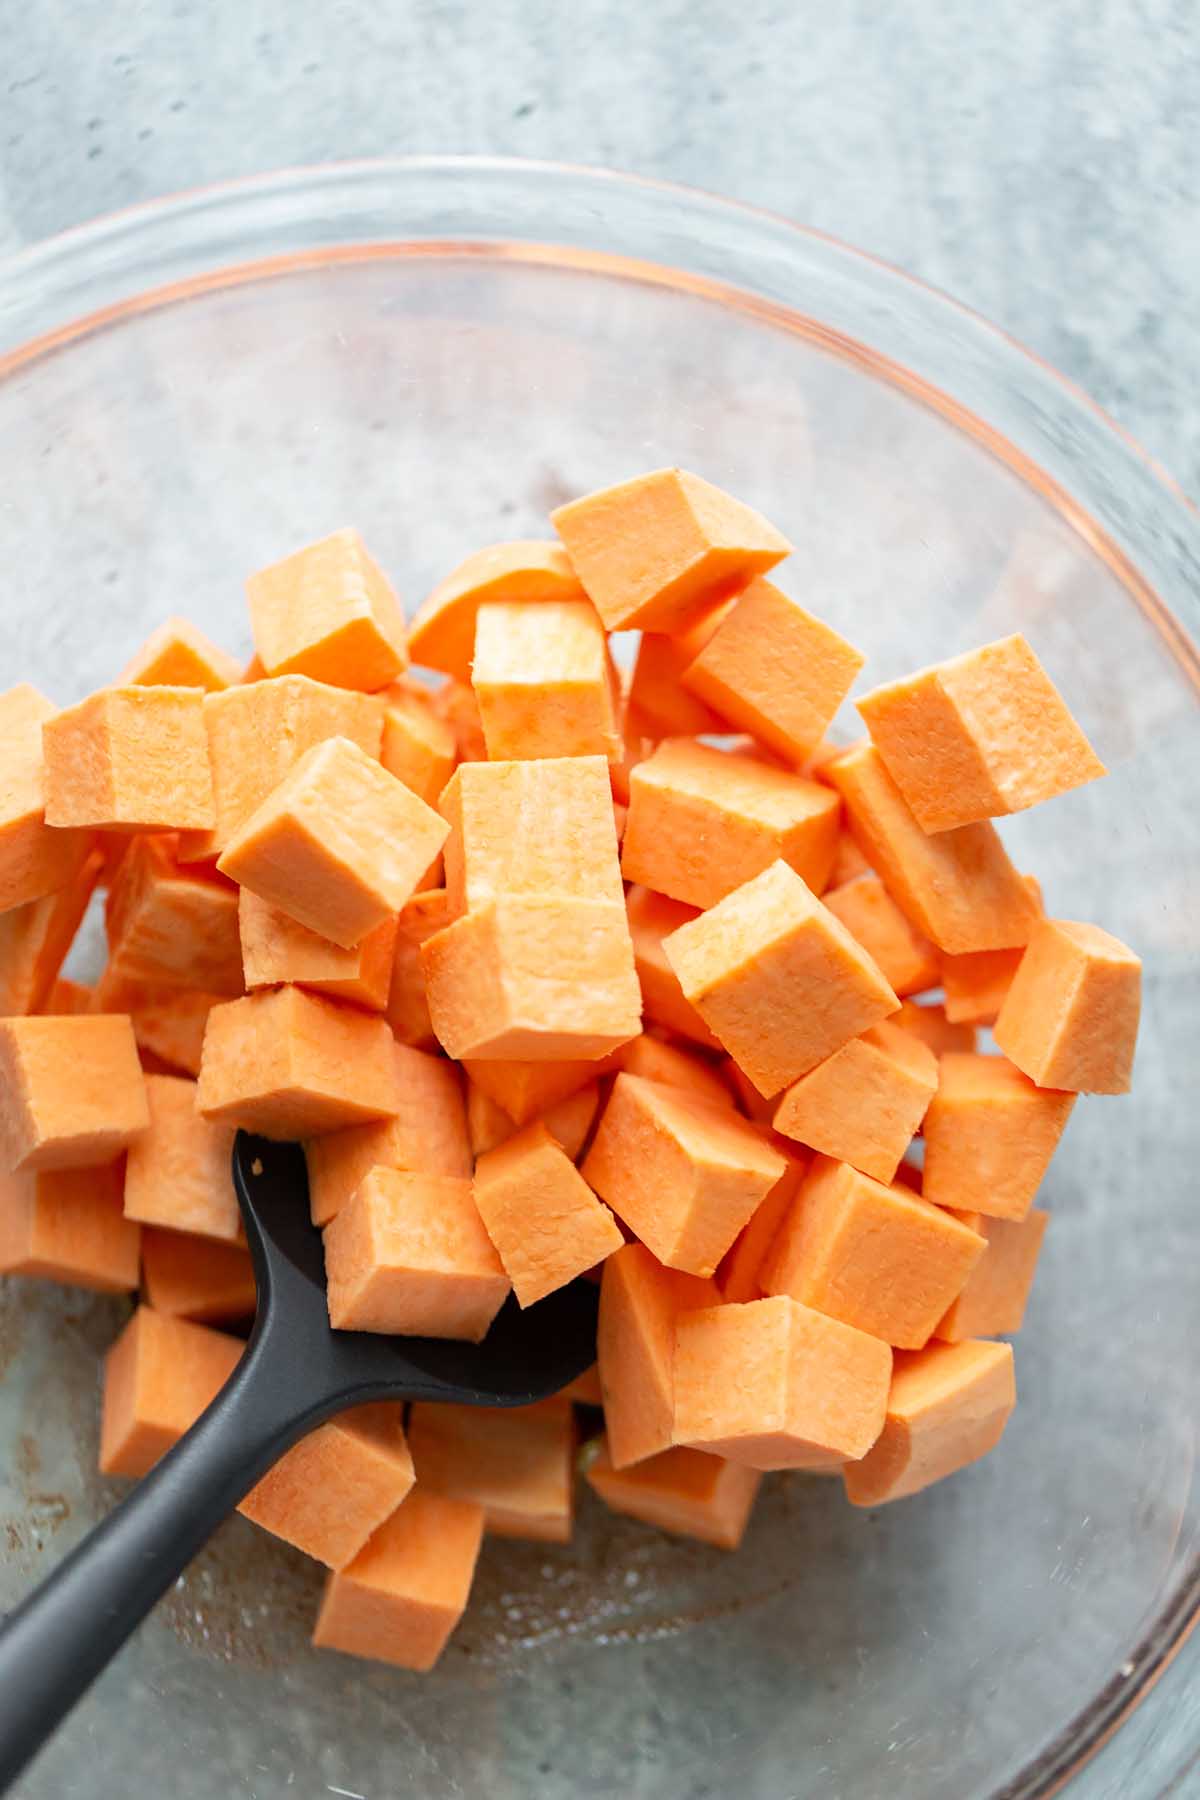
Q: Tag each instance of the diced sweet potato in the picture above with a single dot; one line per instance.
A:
(655, 1060)
(543, 1218)
(197, 1278)
(179, 1173)
(756, 1106)
(1070, 1017)
(848, 859)
(337, 1486)
(67, 997)
(568, 1121)
(168, 1022)
(409, 1254)
(738, 1276)
(455, 702)
(34, 860)
(328, 611)
(541, 678)
(681, 1491)
(407, 1006)
(929, 1023)
(276, 949)
(975, 984)
(659, 705)
(289, 1064)
(652, 918)
(526, 1090)
(989, 1136)
(418, 745)
(640, 1301)
(863, 1104)
(655, 551)
(35, 938)
(172, 926)
(947, 1407)
(67, 1225)
(443, 632)
(159, 1376)
(71, 1091)
(704, 821)
(993, 1300)
(777, 977)
(176, 654)
(130, 759)
(515, 1462)
(908, 962)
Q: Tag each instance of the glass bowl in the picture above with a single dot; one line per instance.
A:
(439, 352)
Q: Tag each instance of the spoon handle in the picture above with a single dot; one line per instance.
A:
(58, 1640)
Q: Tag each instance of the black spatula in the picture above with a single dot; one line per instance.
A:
(295, 1373)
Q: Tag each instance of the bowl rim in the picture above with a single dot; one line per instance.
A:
(311, 217)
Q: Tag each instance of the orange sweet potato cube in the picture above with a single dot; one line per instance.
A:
(777, 977)
(704, 821)
(339, 845)
(657, 702)
(197, 1278)
(277, 949)
(1070, 1017)
(288, 1064)
(409, 1255)
(541, 677)
(130, 759)
(652, 918)
(526, 1090)
(978, 736)
(66, 997)
(756, 1106)
(543, 1218)
(34, 860)
(179, 1173)
(929, 1023)
(443, 632)
(681, 1491)
(534, 979)
(655, 1060)
(487, 1123)
(738, 1276)
(958, 887)
(35, 938)
(418, 745)
(515, 1462)
(427, 1135)
(568, 1121)
(71, 1091)
(328, 611)
(169, 925)
(880, 1258)
(67, 1225)
(256, 733)
(640, 1301)
(864, 1104)
(848, 859)
(159, 1376)
(975, 984)
(907, 960)
(407, 1006)
(775, 1385)
(774, 670)
(948, 1406)
(455, 702)
(176, 654)
(655, 551)
(989, 1136)
(337, 1486)
(684, 1175)
(997, 1289)
(407, 1588)
(168, 1022)
(540, 828)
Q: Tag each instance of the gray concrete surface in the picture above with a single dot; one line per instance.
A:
(1040, 159)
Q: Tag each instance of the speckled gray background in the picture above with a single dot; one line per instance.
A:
(1040, 159)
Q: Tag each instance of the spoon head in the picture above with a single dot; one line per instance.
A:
(526, 1356)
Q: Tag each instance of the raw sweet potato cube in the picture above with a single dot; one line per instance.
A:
(538, 828)
(407, 1005)
(652, 918)
(542, 679)
(1070, 1018)
(684, 1175)
(67, 1225)
(989, 1136)
(526, 1090)
(407, 1588)
(948, 1406)
(978, 736)
(907, 960)
(658, 704)
(704, 821)
(864, 1104)
(959, 887)
(443, 632)
(774, 670)
(993, 1300)
(409, 1254)
(777, 977)
(543, 1218)
(35, 938)
(171, 925)
(67, 997)
(756, 1106)
(168, 1022)
(71, 1091)
(197, 1278)
(515, 1462)
(338, 1485)
(34, 860)
(655, 1060)
(640, 1301)
(328, 611)
(288, 1064)
(159, 1376)
(277, 949)
(256, 733)
(929, 1023)
(339, 845)
(738, 1276)
(533, 979)
(775, 1385)
(879, 1258)
(455, 702)
(130, 759)
(176, 654)
(427, 1135)
(681, 1491)
(418, 745)
(975, 984)
(568, 1121)
(655, 551)
(848, 859)
(179, 1173)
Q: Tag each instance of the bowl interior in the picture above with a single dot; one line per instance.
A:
(932, 1649)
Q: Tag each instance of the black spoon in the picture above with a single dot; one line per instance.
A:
(295, 1373)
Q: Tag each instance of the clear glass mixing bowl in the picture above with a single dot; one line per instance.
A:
(440, 352)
